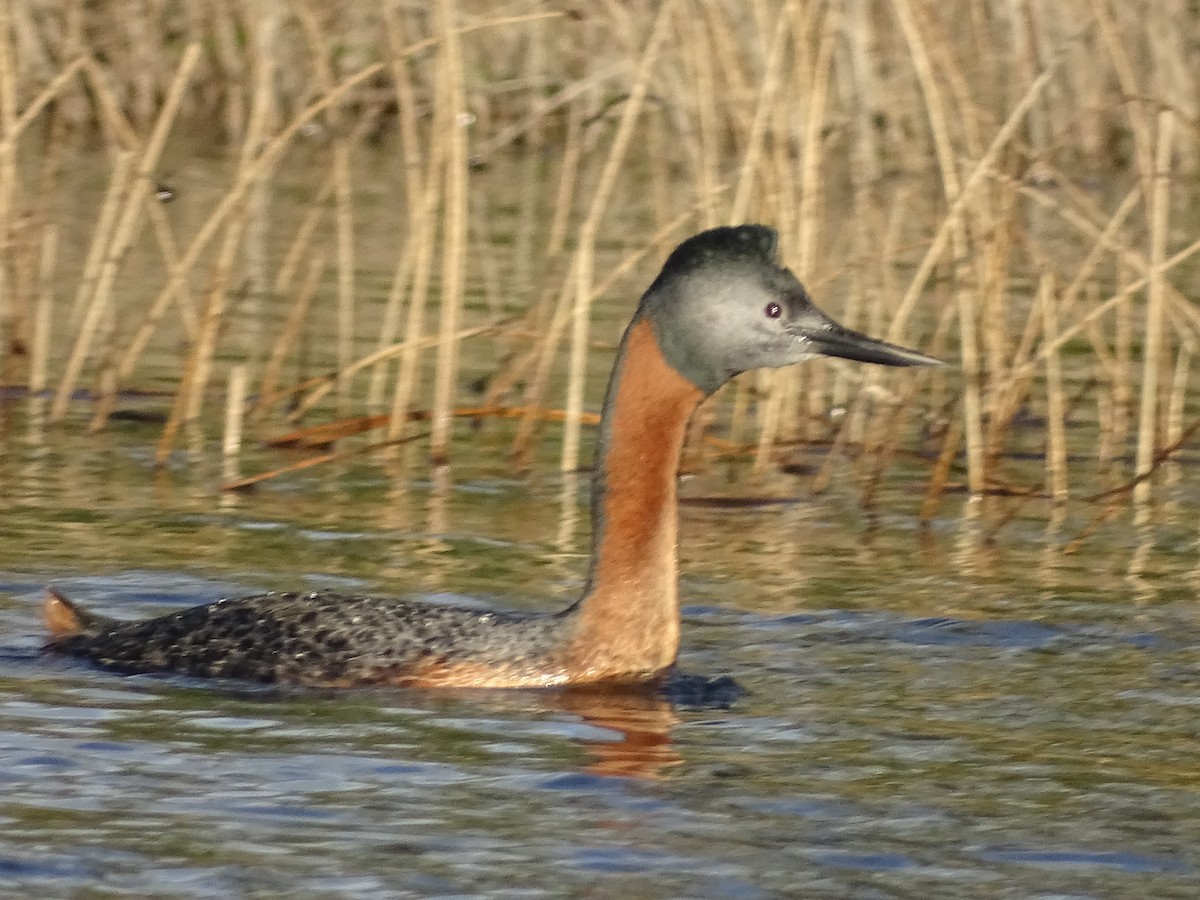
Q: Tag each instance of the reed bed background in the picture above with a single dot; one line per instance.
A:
(1008, 184)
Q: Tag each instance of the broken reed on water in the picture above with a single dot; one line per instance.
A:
(947, 154)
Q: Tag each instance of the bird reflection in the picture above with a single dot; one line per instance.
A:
(638, 725)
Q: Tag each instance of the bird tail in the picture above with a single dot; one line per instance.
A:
(65, 619)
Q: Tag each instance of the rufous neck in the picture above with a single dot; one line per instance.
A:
(629, 617)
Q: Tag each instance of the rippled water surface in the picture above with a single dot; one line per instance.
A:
(962, 710)
(929, 713)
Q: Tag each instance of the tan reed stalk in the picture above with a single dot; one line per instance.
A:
(951, 441)
(1106, 423)
(577, 362)
(454, 237)
(344, 223)
(994, 316)
(968, 110)
(235, 405)
(1177, 404)
(748, 178)
(1160, 206)
(297, 314)
(1174, 69)
(124, 232)
(1123, 386)
(43, 311)
(423, 239)
(1056, 434)
(780, 415)
(662, 192)
(892, 430)
(971, 365)
(808, 230)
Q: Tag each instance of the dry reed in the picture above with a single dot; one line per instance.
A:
(963, 158)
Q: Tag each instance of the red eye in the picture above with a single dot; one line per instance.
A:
(773, 310)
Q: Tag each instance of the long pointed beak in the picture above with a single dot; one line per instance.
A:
(828, 338)
(839, 341)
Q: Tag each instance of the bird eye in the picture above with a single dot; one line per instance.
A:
(773, 311)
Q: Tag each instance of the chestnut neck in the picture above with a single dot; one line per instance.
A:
(628, 618)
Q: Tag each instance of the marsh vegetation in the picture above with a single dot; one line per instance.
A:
(1010, 186)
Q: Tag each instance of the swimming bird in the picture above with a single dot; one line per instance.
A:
(723, 304)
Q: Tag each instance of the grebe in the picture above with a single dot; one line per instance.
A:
(723, 304)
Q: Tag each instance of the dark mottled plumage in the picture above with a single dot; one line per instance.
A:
(316, 638)
(723, 304)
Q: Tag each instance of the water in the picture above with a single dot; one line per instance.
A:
(958, 710)
(927, 714)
